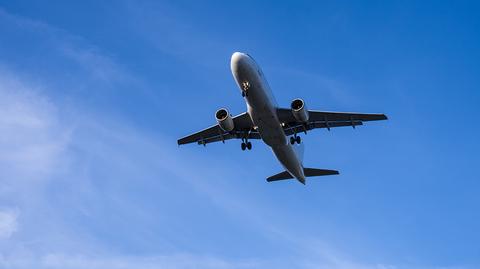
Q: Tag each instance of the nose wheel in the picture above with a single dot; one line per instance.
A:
(295, 139)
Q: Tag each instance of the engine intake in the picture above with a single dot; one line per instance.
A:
(224, 120)
(299, 110)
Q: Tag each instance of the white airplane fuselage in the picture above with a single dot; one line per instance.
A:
(262, 108)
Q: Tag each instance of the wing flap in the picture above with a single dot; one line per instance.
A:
(202, 135)
(227, 136)
(344, 116)
(315, 125)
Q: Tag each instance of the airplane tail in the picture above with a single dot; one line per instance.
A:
(309, 172)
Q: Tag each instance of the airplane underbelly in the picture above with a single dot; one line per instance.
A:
(268, 126)
(289, 159)
(262, 109)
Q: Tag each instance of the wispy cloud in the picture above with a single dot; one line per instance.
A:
(174, 261)
(32, 148)
(8, 222)
(35, 143)
(96, 64)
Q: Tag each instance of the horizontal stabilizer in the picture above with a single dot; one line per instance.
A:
(313, 172)
(280, 176)
(308, 172)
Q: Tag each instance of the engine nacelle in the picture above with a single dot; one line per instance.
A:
(299, 110)
(224, 120)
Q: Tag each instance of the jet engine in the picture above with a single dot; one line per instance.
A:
(299, 110)
(224, 120)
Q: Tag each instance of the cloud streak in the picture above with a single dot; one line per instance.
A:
(31, 140)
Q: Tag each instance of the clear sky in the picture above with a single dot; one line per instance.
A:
(94, 95)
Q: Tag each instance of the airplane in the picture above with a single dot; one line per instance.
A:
(277, 127)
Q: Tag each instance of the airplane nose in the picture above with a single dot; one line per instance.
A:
(237, 59)
(240, 61)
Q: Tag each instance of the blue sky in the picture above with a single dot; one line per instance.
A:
(93, 97)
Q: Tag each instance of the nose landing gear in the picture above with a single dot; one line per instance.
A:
(245, 87)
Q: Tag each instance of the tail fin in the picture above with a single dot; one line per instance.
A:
(309, 172)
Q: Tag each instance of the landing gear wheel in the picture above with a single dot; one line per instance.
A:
(292, 140)
(245, 87)
(249, 145)
(244, 146)
(298, 140)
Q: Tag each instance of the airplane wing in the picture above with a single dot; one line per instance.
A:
(243, 128)
(324, 119)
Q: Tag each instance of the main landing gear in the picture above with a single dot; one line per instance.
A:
(296, 139)
(246, 144)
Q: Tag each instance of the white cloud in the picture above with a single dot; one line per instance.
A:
(172, 261)
(31, 139)
(180, 261)
(8, 222)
